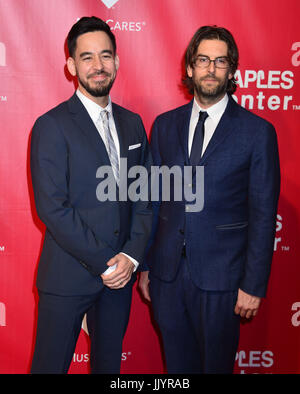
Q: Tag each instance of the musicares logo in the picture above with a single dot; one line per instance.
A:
(109, 3)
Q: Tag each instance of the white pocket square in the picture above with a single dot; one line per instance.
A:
(134, 146)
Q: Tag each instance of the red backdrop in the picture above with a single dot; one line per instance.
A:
(151, 37)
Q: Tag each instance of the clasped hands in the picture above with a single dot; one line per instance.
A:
(121, 275)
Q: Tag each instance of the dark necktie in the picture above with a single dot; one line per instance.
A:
(197, 144)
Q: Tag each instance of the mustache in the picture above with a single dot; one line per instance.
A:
(210, 76)
(100, 72)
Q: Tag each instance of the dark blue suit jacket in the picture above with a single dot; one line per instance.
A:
(229, 244)
(82, 234)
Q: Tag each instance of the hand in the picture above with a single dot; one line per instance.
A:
(121, 275)
(144, 285)
(247, 305)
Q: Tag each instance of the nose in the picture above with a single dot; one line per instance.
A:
(211, 67)
(98, 64)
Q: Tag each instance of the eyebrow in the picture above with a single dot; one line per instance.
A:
(200, 54)
(91, 53)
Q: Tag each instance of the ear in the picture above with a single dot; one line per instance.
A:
(117, 62)
(71, 66)
(231, 74)
(189, 71)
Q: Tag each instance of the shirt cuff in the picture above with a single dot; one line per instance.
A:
(135, 263)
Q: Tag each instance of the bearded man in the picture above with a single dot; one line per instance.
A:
(92, 247)
(207, 269)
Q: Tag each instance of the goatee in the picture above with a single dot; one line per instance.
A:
(101, 89)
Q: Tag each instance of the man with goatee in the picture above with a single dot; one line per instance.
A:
(91, 247)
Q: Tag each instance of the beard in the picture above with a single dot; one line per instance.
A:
(211, 93)
(101, 88)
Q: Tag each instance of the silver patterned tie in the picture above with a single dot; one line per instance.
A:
(111, 147)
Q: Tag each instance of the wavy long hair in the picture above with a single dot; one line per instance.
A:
(212, 33)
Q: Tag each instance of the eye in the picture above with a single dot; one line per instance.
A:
(222, 60)
(106, 57)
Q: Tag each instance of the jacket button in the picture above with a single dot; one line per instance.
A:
(181, 231)
(116, 232)
(83, 263)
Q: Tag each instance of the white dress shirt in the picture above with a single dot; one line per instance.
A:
(94, 110)
(215, 113)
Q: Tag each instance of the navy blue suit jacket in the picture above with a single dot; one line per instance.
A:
(82, 233)
(229, 244)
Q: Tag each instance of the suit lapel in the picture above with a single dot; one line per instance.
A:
(85, 123)
(224, 128)
(183, 129)
(120, 127)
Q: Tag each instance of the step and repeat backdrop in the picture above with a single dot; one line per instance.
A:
(152, 36)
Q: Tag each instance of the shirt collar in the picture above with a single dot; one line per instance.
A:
(92, 108)
(215, 111)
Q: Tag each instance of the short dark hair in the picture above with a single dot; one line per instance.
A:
(212, 33)
(85, 25)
